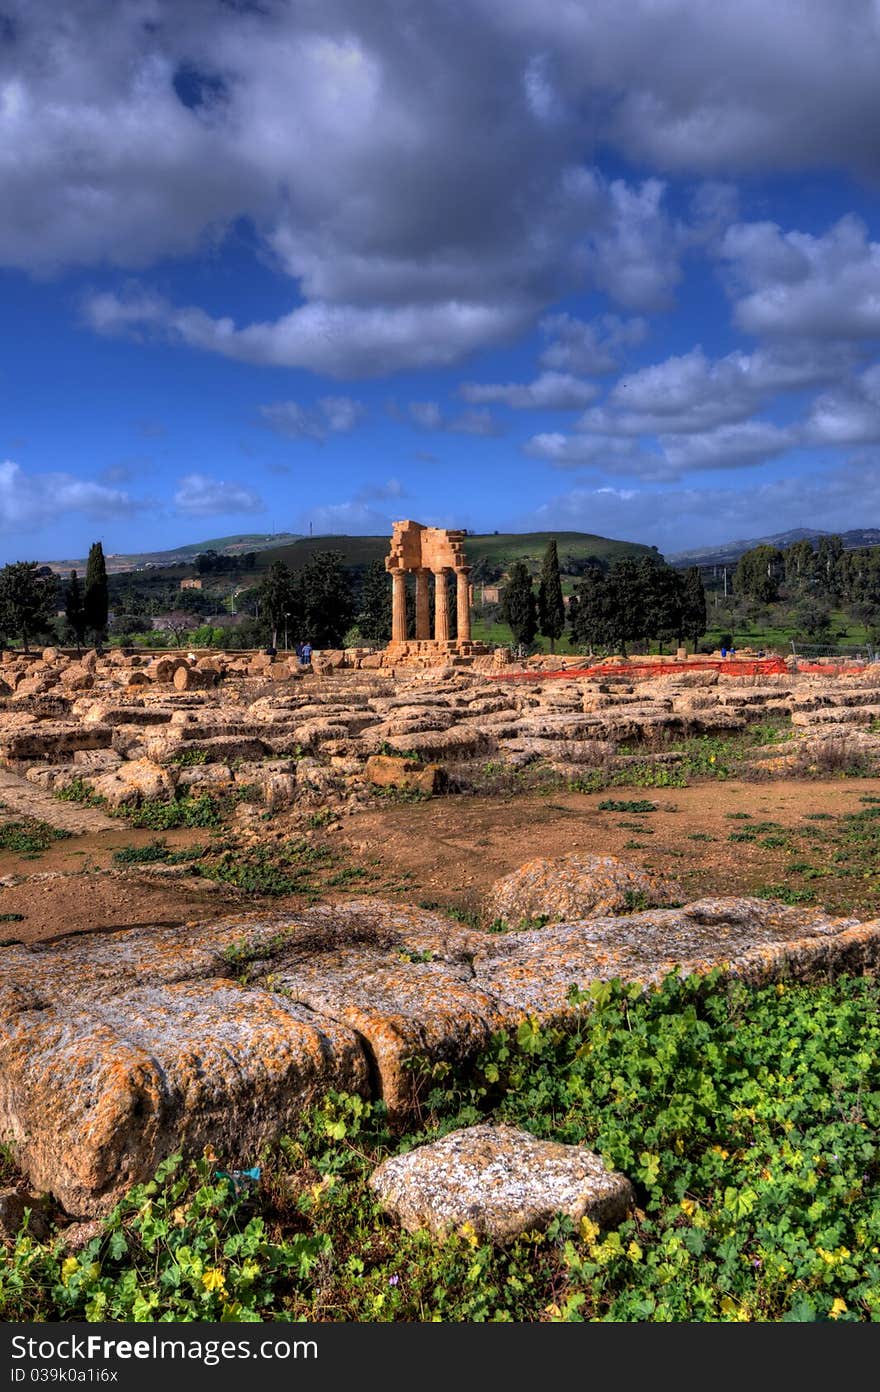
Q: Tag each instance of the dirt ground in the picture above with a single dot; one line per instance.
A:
(447, 852)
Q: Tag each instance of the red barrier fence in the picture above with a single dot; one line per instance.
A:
(725, 667)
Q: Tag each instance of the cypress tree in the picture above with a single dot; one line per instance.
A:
(96, 599)
(588, 611)
(275, 598)
(74, 608)
(518, 608)
(551, 609)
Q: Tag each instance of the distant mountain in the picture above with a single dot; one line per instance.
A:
(183, 555)
(728, 553)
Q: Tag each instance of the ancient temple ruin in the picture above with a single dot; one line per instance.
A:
(425, 551)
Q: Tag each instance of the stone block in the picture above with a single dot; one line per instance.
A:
(500, 1182)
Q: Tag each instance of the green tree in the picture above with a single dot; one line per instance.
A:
(551, 609)
(95, 599)
(518, 608)
(758, 573)
(800, 565)
(661, 599)
(588, 611)
(374, 616)
(74, 608)
(813, 619)
(27, 599)
(693, 605)
(325, 600)
(275, 598)
(828, 564)
(626, 608)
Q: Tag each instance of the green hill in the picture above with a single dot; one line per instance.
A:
(497, 548)
(181, 555)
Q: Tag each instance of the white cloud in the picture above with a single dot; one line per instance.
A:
(794, 283)
(609, 453)
(331, 415)
(338, 340)
(635, 255)
(425, 196)
(726, 447)
(29, 500)
(427, 415)
(692, 393)
(848, 415)
(551, 391)
(588, 347)
(200, 496)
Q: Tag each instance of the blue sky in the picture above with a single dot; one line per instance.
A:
(496, 264)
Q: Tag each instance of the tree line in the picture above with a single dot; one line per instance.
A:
(29, 596)
(328, 603)
(810, 582)
(632, 603)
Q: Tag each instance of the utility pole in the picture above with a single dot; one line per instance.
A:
(725, 582)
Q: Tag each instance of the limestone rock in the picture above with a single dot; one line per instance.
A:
(502, 1182)
(388, 771)
(577, 886)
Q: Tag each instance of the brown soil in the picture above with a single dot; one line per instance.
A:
(449, 850)
(454, 848)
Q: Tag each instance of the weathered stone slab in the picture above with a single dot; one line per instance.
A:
(577, 886)
(95, 1095)
(501, 1182)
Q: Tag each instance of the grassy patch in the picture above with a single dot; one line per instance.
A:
(29, 836)
(185, 811)
(634, 805)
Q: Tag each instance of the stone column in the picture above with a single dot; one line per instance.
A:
(463, 608)
(398, 606)
(441, 613)
(423, 604)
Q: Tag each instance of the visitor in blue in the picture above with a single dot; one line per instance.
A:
(305, 656)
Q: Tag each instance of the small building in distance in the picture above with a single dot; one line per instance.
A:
(190, 584)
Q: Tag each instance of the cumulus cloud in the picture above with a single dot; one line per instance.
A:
(701, 88)
(634, 253)
(331, 415)
(691, 392)
(610, 453)
(848, 415)
(727, 447)
(794, 283)
(588, 348)
(737, 446)
(336, 340)
(29, 500)
(198, 495)
(551, 391)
